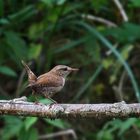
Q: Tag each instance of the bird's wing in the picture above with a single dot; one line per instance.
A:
(49, 80)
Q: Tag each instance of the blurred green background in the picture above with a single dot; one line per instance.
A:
(90, 35)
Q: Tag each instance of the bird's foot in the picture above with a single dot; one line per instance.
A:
(38, 103)
(54, 103)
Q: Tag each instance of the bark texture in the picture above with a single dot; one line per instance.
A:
(21, 107)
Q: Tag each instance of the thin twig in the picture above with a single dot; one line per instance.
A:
(122, 11)
(119, 89)
(99, 19)
(58, 134)
(109, 52)
(21, 107)
(20, 82)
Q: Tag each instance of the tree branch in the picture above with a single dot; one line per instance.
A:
(21, 107)
(122, 11)
(60, 133)
(99, 19)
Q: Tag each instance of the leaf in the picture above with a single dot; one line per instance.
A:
(45, 101)
(4, 21)
(126, 125)
(57, 123)
(36, 30)
(135, 3)
(98, 4)
(31, 134)
(71, 45)
(138, 123)
(88, 83)
(17, 46)
(11, 128)
(29, 121)
(7, 71)
(23, 14)
(48, 2)
(105, 135)
(93, 51)
(128, 32)
(71, 8)
(107, 63)
(107, 44)
(126, 50)
(52, 2)
(34, 51)
(60, 2)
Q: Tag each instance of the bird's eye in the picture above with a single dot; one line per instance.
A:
(65, 69)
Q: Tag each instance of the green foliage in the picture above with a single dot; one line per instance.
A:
(89, 82)
(7, 71)
(29, 121)
(31, 134)
(57, 123)
(128, 32)
(12, 127)
(50, 32)
(98, 5)
(13, 41)
(113, 126)
(116, 53)
(34, 51)
(135, 3)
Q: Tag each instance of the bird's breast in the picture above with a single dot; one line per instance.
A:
(47, 91)
(63, 81)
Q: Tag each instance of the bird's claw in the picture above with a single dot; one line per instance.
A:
(54, 103)
(38, 103)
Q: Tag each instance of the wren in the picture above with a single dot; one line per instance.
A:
(48, 83)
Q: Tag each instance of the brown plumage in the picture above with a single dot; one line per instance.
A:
(49, 83)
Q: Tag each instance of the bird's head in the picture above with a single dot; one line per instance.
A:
(62, 70)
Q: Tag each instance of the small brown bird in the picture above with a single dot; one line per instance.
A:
(49, 83)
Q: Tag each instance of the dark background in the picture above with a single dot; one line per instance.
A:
(45, 33)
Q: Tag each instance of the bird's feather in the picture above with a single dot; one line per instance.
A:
(31, 76)
(49, 80)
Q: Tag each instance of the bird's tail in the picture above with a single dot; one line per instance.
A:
(31, 76)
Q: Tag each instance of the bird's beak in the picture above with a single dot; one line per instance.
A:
(73, 69)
